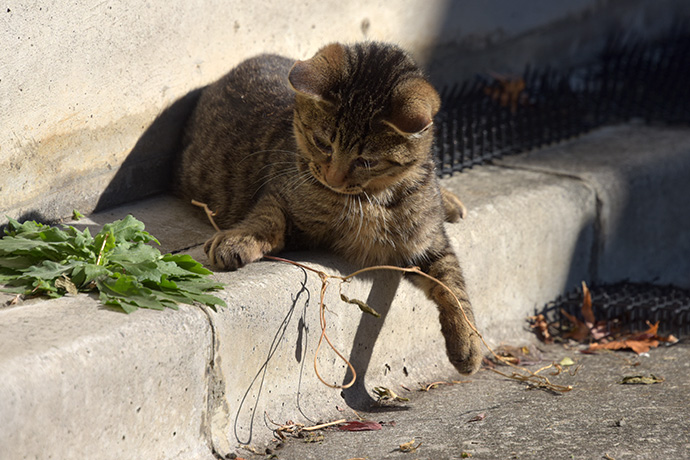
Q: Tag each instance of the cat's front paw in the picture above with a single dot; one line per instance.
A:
(465, 353)
(232, 249)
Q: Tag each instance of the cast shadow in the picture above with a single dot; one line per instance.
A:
(148, 169)
(303, 295)
(380, 298)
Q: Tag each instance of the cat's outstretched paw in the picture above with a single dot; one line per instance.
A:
(465, 353)
(232, 249)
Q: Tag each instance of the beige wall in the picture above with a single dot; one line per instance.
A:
(81, 83)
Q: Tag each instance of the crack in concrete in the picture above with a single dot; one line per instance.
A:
(216, 404)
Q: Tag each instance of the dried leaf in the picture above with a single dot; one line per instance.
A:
(357, 425)
(477, 418)
(409, 447)
(525, 355)
(508, 91)
(641, 380)
(386, 394)
(65, 283)
(14, 300)
(541, 328)
(639, 343)
(362, 305)
(587, 312)
(565, 362)
(314, 437)
(580, 330)
(638, 346)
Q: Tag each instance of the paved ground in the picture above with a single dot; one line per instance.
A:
(599, 418)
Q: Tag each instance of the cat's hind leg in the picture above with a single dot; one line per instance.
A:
(261, 232)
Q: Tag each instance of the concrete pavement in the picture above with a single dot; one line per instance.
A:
(82, 381)
(491, 417)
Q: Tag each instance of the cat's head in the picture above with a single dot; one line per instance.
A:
(363, 117)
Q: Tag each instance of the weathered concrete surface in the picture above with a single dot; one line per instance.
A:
(506, 281)
(82, 381)
(93, 96)
(531, 233)
(528, 237)
(599, 418)
(639, 175)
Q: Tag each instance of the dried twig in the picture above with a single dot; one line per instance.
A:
(210, 214)
(295, 429)
(531, 377)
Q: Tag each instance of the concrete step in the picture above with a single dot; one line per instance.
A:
(82, 381)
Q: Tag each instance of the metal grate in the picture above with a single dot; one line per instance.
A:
(491, 116)
(631, 305)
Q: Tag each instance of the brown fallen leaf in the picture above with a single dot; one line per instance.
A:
(639, 343)
(386, 394)
(362, 305)
(313, 437)
(587, 312)
(524, 356)
(579, 332)
(641, 380)
(508, 91)
(64, 282)
(357, 425)
(638, 346)
(541, 328)
(477, 418)
(409, 447)
(14, 300)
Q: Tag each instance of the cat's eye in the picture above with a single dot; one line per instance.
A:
(322, 145)
(362, 163)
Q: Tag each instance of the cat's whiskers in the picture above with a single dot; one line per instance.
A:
(342, 214)
(361, 216)
(291, 172)
(280, 171)
(301, 178)
(259, 152)
(351, 215)
(305, 178)
(274, 175)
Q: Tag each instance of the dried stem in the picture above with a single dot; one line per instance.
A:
(210, 214)
(531, 377)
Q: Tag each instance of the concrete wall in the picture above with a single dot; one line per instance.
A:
(93, 94)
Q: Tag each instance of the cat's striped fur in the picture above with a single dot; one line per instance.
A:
(330, 152)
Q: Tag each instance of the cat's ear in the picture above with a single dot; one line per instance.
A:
(314, 77)
(413, 106)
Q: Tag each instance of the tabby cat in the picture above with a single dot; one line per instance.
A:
(332, 152)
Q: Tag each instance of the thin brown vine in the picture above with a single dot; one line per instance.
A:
(522, 374)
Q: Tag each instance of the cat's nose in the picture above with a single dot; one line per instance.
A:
(335, 177)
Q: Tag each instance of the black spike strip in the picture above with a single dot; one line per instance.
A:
(483, 119)
(631, 306)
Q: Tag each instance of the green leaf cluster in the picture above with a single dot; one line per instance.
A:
(118, 262)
